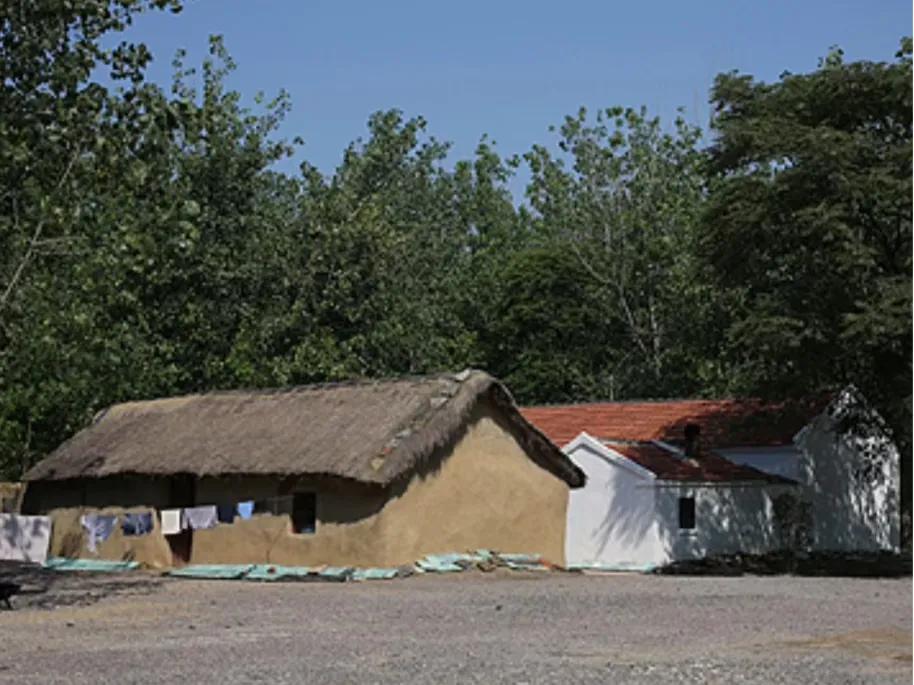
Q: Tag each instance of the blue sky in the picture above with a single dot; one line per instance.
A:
(509, 69)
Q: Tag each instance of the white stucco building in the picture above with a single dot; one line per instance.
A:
(820, 475)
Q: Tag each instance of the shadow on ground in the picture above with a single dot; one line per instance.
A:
(44, 589)
(843, 565)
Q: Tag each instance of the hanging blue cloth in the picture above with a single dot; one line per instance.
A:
(137, 523)
(245, 510)
(99, 528)
(225, 513)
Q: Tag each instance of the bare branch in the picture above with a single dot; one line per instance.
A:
(36, 236)
(616, 284)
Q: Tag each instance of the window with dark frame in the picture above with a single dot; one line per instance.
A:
(304, 512)
(686, 513)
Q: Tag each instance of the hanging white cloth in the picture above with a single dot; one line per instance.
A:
(24, 538)
(171, 521)
(198, 518)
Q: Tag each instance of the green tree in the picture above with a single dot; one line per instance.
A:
(392, 251)
(809, 227)
(56, 123)
(209, 272)
(546, 339)
(140, 231)
(63, 138)
(623, 196)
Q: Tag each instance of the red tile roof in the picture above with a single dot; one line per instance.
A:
(724, 423)
(709, 467)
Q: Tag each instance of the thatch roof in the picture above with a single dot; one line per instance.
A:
(370, 431)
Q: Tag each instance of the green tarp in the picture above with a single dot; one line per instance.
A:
(270, 572)
(214, 571)
(431, 563)
(521, 558)
(96, 565)
(265, 572)
(614, 568)
(339, 573)
(374, 573)
(441, 563)
(452, 563)
(515, 566)
(523, 562)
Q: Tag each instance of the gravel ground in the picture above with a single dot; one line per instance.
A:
(466, 628)
(45, 589)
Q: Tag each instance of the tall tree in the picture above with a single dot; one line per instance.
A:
(809, 225)
(547, 340)
(389, 248)
(623, 196)
(64, 135)
(138, 226)
(55, 121)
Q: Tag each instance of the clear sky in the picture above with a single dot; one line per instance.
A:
(508, 69)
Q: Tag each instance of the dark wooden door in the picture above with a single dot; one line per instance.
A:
(182, 493)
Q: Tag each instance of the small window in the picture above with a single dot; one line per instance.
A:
(686, 513)
(304, 512)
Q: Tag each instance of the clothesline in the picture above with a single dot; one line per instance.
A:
(99, 527)
(206, 516)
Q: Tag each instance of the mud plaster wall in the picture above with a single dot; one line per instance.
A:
(66, 501)
(70, 539)
(10, 497)
(346, 531)
(481, 492)
(488, 494)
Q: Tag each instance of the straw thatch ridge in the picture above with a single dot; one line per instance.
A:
(370, 431)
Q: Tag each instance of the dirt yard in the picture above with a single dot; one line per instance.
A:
(467, 628)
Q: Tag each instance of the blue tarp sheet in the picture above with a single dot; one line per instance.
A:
(98, 565)
(273, 572)
(335, 573)
(434, 563)
(521, 558)
(450, 563)
(267, 572)
(441, 563)
(514, 566)
(214, 571)
(614, 568)
(374, 573)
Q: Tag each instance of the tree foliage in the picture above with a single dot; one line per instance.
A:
(149, 246)
(809, 225)
(623, 197)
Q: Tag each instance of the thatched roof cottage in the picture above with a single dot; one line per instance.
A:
(370, 473)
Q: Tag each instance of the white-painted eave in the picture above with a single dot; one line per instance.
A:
(586, 441)
(600, 449)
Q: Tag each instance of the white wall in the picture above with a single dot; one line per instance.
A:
(624, 517)
(847, 484)
(611, 520)
(851, 477)
(728, 519)
(778, 461)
